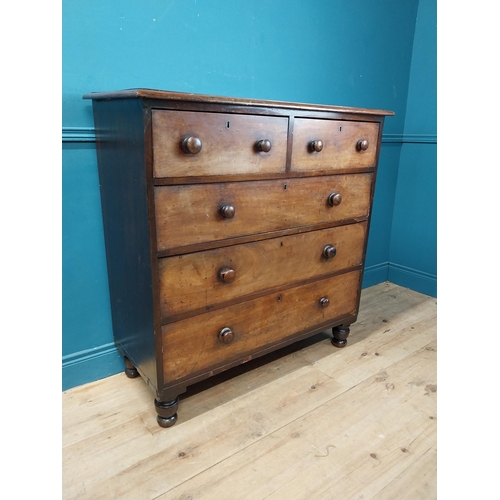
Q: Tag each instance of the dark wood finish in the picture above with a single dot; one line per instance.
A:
(227, 211)
(160, 96)
(329, 251)
(227, 275)
(191, 282)
(233, 227)
(187, 215)
(340, 141)
(362, 145)
(129, 255)
(324, 302)
(264, 145)
(231, 143)
(167, 412)
(226, 335)
(191, 145)
(130, 369)
(256, 324)
(316, 146)
(340, 334)
(236, 177)
(238, 240)
(334, 199)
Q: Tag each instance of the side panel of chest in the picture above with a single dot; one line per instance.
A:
(126, 210)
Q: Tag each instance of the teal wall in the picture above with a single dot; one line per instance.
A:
(356, 53)
(412, 253)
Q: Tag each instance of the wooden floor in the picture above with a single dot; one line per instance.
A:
(311, 423)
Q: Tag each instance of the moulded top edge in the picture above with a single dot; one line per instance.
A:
(184, 96)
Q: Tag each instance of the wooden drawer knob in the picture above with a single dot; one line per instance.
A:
(227, 211)
(316, 146)
(226, 335)
(227, 275)
(329, 251)
(324, 302)
(264, 145)
(191, 145)
(334, 199)
(362, 145)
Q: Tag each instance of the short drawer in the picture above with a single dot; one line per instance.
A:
(193, 214)
(216, 338)
(190, 144)
(325, 145)
(200, 280)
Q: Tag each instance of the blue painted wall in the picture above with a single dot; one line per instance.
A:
(412, 254)
(354, 53)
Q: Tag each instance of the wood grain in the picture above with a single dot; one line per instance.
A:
(353, 446)
(191, 282)
(186, 97)
(192, 346)
(185, 173)
(228, 143)
(288, 420)
(189, 214)
(339, 145)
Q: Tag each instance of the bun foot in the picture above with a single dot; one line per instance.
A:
(166, 422)
(130, 369)
(340, 334)
(167, 412)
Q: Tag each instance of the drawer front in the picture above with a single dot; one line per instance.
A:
(192, 346)
(228, 144)
(340, 145)
(192, 214)
(200, 280)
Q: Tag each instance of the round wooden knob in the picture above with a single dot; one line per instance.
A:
(191, 145)
(226, 335)
(316, 146)
(334, 199)
(329, 251)
(227, 275)
(227, 211)
(362, 145)
(324, 302)
(264, 145)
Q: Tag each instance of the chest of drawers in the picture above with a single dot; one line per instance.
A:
(233, 227)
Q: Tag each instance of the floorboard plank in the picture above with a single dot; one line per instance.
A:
(317, 422)
(360, 440)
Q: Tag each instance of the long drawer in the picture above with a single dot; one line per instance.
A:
(200, 280)
(194, 214)
(190, 144)
(196, 344)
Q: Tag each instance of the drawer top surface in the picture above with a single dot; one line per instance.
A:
(183, 96)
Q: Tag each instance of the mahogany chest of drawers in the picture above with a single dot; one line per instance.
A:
(233, 227)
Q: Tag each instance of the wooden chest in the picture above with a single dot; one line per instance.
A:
(233, 227)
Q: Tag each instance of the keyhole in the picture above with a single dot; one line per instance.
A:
(228, 124)
(281, 243)
(279, 298)
(284, 186)
(340, 129)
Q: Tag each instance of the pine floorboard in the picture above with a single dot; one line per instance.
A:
(308, 422)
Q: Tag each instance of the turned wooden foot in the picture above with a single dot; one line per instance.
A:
(130, 369)
(167, 412)
(340, 334)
